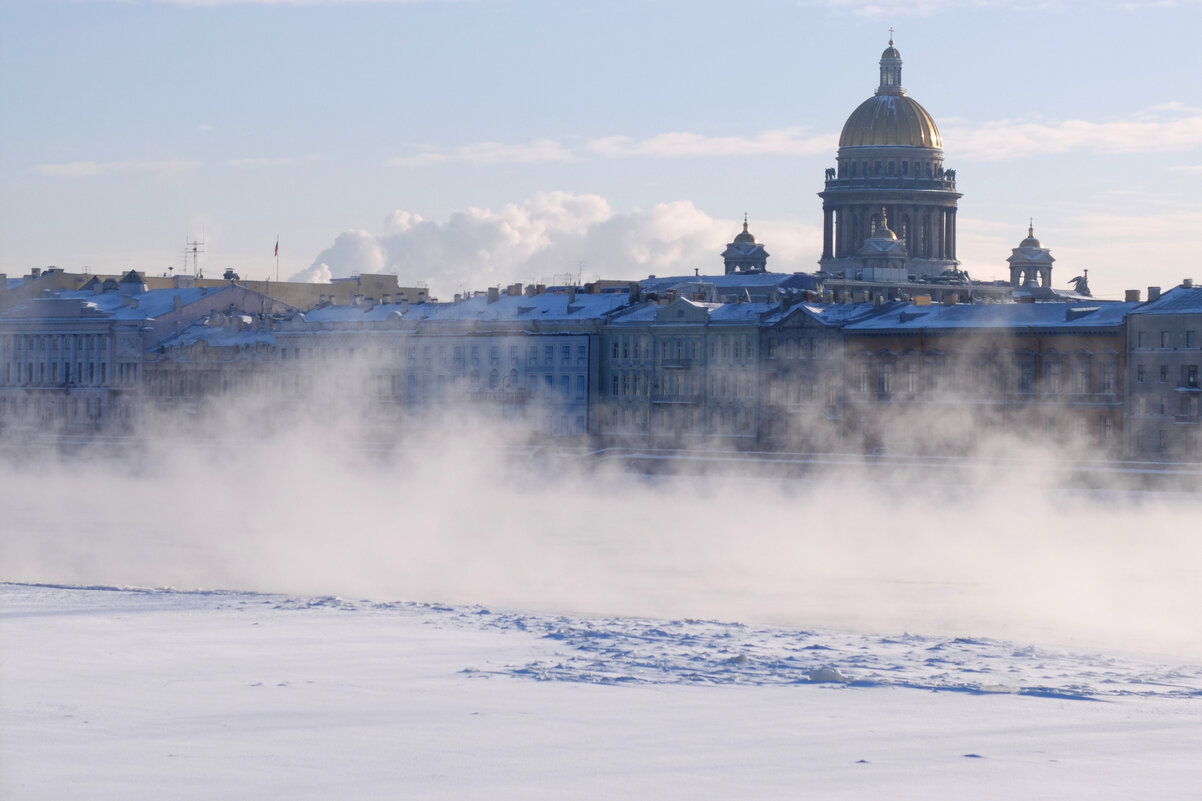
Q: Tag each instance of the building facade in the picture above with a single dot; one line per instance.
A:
(1164, 343)
(74, 362)
(941, 378)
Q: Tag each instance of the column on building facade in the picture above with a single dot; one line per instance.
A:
(938, 234)
(840, 228)
(947, 234)
(928, 232)
(827, 231)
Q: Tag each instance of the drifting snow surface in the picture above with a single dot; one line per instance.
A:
(129, 694)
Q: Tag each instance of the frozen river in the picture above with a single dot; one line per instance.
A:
(120, 694)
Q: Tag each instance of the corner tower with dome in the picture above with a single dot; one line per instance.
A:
(890, 166)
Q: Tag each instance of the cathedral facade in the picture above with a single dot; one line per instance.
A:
(889, 183)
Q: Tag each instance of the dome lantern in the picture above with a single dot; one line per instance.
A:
(746, 236)
(891, 64)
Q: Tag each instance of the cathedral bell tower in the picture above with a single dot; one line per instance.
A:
(890, 162)
(1031, 264)
(745, 255)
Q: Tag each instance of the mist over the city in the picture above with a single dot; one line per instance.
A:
(526, 400)
(1010, 544)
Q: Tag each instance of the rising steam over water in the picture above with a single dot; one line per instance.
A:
(467, 517)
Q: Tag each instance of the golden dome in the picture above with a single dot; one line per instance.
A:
(746, 236)
(890, 119)
(884, 232)
(1030, 241)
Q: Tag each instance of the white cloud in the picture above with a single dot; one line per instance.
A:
(260, 162)
(217, 3)
(1164, 128)
(540, 150)
(786, 141)
(925, 8)
(1176, 227)
(89, 169)
(1169, 127)
(550, 234)
(352, 252)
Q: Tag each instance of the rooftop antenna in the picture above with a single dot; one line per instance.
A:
(194, 249)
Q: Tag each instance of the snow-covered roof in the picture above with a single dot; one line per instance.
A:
(833, 314)
(1178, 300)
(734, 281)
(734, 313)
(219, 336)
(353, 314)
(1001, 315)
(717, 313)
(150, 304)
(521, 308)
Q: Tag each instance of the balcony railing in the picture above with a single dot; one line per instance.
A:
(498, 396)
(677, 399)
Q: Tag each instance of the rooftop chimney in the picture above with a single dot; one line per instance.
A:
(1188, 283)
(1153, 293)
(35, 272)
(1131, 296)
(494, 294)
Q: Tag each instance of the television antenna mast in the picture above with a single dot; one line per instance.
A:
(194, 249)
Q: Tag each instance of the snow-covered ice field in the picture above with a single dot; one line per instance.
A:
(538, 634)
(131, 694)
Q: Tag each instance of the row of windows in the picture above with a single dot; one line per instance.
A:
(781, 393)
(56, 374)
(680, 419)
(728, 347)
(461, 354)
(89, 409)
(16, 345)
(1188, 375)
(793, 348)
(679, 384)
(1144, 338)
(567, 387)
(198, 383)
(987, 378)
(1185, 406)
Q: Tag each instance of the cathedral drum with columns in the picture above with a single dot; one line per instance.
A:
(890, 167)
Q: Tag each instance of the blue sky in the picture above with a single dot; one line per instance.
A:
(478, 142)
